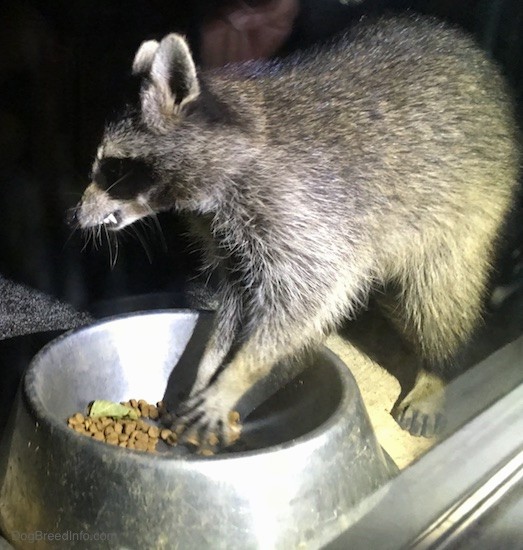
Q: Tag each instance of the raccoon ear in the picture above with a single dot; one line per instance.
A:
(174, 67)
(143, 60)
(172, 78)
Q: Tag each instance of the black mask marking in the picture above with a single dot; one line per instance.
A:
(123, 178)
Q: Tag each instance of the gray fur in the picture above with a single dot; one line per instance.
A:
(385, 163)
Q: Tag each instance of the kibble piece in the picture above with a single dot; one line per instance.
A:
(109, 430)
(105, 421)
(129, 427)
(142, 436)
(206, 452)
(153, 431)
(193, 439)
(233, 417)
(112, 439)
(235, 427)
(141, 445)
(213, 440)
(153, 413)
(133, 403)
(118, 428)
(143, 426)
(123, 437)
(165, 433)
(99, 436)
(171, 439)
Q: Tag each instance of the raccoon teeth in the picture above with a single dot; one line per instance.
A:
(110, 219)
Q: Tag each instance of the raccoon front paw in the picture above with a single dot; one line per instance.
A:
(421, 412)
(207, 422)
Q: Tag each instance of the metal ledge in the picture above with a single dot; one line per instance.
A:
(430, 504)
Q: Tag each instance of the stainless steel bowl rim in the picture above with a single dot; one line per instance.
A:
(39, 412)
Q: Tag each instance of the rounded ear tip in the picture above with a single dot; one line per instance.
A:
(174, 41)
(174, 36)
(144, 56)
(149, 44)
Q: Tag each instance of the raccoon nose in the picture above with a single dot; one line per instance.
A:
(72, 216)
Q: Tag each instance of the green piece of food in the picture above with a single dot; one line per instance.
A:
(101, 407)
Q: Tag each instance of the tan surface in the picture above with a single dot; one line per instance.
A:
(379, 391)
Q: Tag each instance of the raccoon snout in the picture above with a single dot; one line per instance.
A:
(75, 219)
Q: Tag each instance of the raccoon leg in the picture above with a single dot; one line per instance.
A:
(226, 328)
(421, 411)
(207, 412)
(437, 307)
(374, 334)
(276, 328)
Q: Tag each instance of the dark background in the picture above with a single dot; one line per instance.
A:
(64, 67)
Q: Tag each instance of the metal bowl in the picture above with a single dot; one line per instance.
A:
(312, 457)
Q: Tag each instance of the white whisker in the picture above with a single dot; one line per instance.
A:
(156, 222)
(140, 238)
(119, 180)
(111, 262)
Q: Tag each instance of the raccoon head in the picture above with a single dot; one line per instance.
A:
(171, 152)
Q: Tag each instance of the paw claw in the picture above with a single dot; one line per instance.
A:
(191, 437)
(419, 423)
(206, 423)
(419, 413)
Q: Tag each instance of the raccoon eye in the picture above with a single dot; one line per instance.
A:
(124, 178)
(113, 168)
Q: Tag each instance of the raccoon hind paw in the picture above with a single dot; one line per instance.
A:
(419, 423)
(421, 412)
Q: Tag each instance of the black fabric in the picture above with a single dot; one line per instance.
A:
(24, 310)
(29, 319)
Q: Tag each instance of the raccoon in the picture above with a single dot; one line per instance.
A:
(381, 166)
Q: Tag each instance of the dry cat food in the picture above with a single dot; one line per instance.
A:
(123, 424)
(127, 424)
